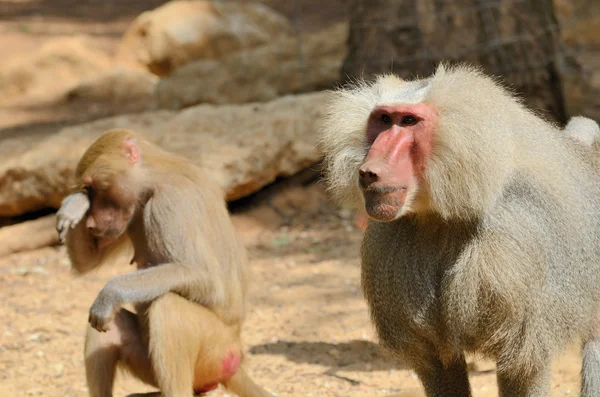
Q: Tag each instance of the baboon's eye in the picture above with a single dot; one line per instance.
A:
(386, 119)
(408, 120)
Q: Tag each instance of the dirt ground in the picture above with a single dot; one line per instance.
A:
(307, 334)
(308, 331)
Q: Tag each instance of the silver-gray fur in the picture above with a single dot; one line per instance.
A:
(503, 259)
(583, 129)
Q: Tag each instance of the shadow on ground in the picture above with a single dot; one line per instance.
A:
(356, 355)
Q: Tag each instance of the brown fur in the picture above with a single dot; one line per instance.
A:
(499, 251)
(190, 287)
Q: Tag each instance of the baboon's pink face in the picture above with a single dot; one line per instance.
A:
(399, 139)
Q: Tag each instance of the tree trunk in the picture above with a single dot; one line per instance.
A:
(515, 39)
(580, 69)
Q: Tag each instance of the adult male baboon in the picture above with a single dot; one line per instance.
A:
(484, 229)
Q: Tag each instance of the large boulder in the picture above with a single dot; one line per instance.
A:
(244, 147)
(28, 235)
(181, 31)
(59, 64)
(117, 86)
(283, 66)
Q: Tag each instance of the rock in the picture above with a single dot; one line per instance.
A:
(244, 147)
(28, 235)
(40, 173)
(259, 74)
(117, 86)
(59, 64)
(580, 69)
(181, 31)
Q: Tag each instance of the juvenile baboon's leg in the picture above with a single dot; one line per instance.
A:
(101, 357)
(590, 372)
(525, 383)
(190, 347)
(445, 381)
(123, 345)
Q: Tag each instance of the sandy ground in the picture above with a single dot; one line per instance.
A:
(307, 334)
(308, 331)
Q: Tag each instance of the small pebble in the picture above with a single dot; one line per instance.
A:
(58, 370)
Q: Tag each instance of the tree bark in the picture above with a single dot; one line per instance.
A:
(515, 39)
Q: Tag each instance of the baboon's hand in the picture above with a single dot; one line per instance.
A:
(72, 210)
(104, 308)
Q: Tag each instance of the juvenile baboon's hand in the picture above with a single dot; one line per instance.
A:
(104, 308)
(72, 210)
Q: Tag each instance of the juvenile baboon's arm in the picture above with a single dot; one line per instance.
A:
(85, 251)
(192, 270)
(82, 249)
(146, 285)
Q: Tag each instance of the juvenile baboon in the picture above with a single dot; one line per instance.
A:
(484, 229)
(189, 290)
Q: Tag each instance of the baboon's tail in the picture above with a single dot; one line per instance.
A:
(243, 386)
